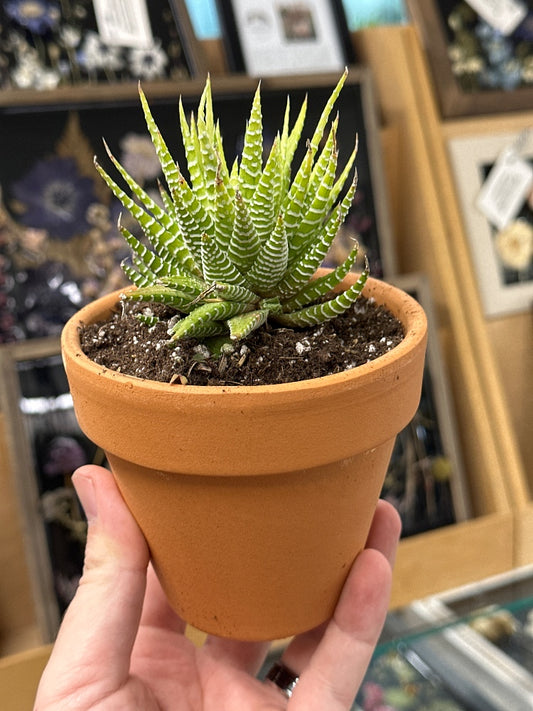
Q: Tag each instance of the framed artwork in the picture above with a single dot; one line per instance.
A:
(369, 13)
(267, 38)
(83, 43)
(59, 245)
(426, 480)
(502, 257)
(45, 446)
(478, 66)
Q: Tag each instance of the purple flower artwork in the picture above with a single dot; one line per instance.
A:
(54, 197)
(59, 242)
(37, 16)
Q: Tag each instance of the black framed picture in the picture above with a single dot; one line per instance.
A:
(481, 62)
(59, 244)
(425, 480)
(48, 45)
(45, 447)
(267, 38)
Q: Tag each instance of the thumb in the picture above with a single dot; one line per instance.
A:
(92, 652)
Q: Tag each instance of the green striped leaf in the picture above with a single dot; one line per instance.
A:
(318, 288)
(241, 326)
(322, 163)
(151, 261)
(186, 284)
(148, 319)
(217, 266)
(193, 219)
(271, 262)
(343, 177)
(151, 227)
(324, 117)
(294, 204)
(265, 202)
(244, 244)
(194, 157)
(318, 313)
(290, 141)
(307, 262)
(301, 272)
(204, 314)
(161, 295)
(252, 153)
(233, 292)
(168, 165)
(317, 211)
(224, 215)
(137, 277)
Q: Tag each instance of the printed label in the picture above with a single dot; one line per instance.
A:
(505, 189)
(503, 15)
(124, 23)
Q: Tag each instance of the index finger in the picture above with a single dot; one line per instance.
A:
(333, 659)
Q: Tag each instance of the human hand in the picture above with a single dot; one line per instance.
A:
(121, 646)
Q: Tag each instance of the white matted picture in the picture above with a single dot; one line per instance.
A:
(280, 37)
(502, 254)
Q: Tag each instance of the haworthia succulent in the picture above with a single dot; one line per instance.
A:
(231, 250)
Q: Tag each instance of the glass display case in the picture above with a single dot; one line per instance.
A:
(469, 649)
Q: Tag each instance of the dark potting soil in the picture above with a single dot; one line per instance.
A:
(269, 355)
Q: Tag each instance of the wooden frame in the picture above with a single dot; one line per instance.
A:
(45, 446)
(456, 99)
(426, 464)
(52, 264)
(271, 38)
(504, 289)
(57, 56)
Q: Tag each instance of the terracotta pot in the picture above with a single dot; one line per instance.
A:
(254, 500)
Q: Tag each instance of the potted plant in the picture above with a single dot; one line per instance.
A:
(254, 499)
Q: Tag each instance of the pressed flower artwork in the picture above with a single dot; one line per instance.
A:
(46, 43)
(59, 243)
(482, 57)
(480, 54)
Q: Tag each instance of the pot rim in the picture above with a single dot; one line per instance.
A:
(405, 308)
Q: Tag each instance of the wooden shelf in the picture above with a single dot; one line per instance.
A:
(430, 238)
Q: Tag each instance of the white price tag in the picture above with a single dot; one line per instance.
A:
(503, 15)
(124, 23)
(506, 188)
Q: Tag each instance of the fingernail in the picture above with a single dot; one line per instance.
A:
(84, 486)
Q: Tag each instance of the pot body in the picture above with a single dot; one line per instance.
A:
(254, 500)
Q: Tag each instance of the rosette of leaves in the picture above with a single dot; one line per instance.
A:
(232, 247)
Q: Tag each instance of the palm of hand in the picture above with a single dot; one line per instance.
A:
(169, 673)
(121, 646)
